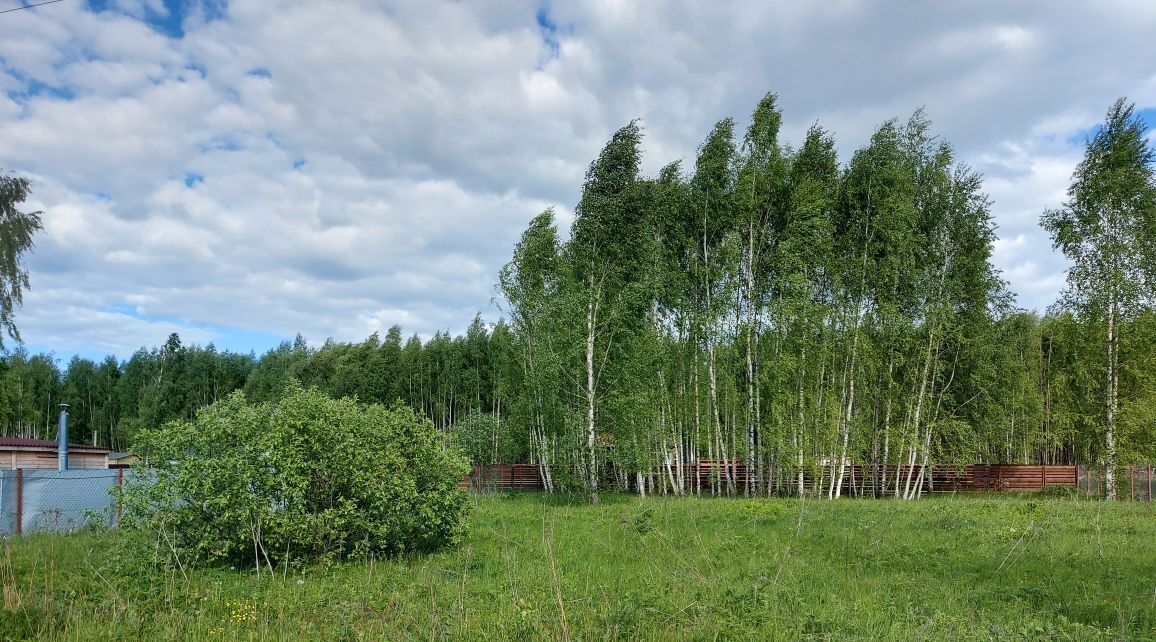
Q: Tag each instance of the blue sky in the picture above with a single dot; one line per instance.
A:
(1081, 138)
(243, 172)
(166, 16)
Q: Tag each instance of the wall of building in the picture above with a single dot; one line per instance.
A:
(33, 459)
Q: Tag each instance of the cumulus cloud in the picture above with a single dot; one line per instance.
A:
(335, 168)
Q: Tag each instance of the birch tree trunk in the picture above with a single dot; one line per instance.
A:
(802, 426)
(1112, 388)
(591, 455)
(752, 462)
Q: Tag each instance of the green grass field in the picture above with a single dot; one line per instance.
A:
(534, 567)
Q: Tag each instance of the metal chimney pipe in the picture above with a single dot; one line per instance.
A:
(62, 438)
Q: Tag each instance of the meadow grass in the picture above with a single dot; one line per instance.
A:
(537, 567)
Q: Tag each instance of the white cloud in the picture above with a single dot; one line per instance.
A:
(334, 168)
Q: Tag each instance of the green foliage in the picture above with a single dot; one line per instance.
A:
(445, 379)
(774, 308)
(1107, 230)
(305, 478)
(17, 229)
(1107, 226)
(642, 522)
(485, 442)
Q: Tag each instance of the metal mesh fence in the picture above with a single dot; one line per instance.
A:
(1136, 482)
(1140, 482)
(34, 500)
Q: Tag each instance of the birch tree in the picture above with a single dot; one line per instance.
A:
(759, 194)
(603, 265)
(17, 229)
(709, 221)
(528, 282)
(802, 288)
(1107, 229)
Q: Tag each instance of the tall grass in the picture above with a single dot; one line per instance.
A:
(535, 567)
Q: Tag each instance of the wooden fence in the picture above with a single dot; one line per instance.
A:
(707, 476)
(879, 480)
(1020, 478)
(504, 477)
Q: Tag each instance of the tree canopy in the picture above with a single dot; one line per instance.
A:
(17, 229)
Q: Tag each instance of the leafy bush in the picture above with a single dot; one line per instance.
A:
(304, 478)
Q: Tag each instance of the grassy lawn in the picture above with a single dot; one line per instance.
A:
(533, 567)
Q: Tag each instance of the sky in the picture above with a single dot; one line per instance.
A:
(244, 171)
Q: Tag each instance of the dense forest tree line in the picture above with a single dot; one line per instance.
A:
(446, 378)
(766, 305)
(474, 387)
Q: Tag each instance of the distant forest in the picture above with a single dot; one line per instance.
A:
(445, 378)
(767, 304)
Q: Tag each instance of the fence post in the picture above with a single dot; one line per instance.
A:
(1131, 483)
(1149, 482)
(19, 500)
(119, 494)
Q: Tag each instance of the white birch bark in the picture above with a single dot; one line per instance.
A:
(592, 462)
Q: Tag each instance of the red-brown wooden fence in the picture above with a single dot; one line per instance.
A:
(504, 477)
(718, 476)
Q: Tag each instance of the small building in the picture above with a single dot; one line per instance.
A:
(121, 459)
(18, 452)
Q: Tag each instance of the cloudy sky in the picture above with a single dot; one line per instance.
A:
(243, 171)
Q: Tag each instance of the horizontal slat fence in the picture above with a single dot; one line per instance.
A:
(504, 477)
(1022, 478)
(719, 476)
(864, 480)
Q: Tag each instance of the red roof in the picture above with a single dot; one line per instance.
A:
(22, 442)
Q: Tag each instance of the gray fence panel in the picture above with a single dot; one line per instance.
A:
(53, 501)
(65, 501)
(8, 496)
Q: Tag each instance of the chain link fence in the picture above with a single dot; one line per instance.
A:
(1136, 482)
(45, 500)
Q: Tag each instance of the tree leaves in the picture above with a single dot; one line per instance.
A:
(17, 230)
(304, 478)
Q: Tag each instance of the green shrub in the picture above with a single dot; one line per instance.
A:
(305, 478)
